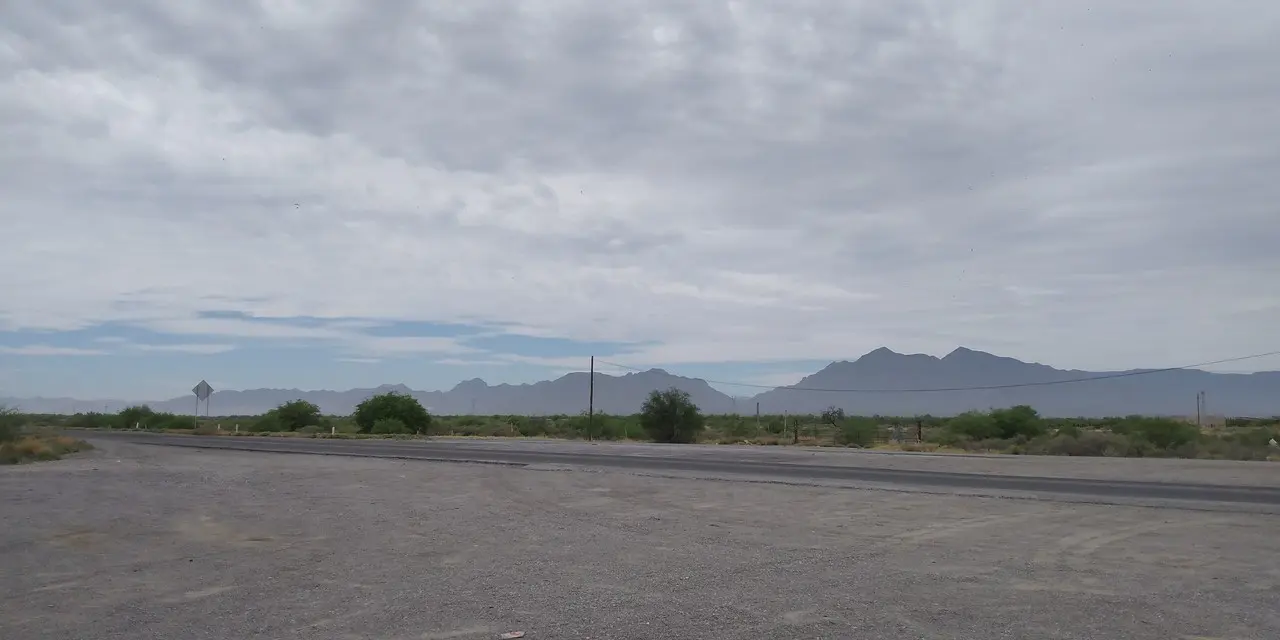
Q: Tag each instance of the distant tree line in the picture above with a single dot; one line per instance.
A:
(671, 416)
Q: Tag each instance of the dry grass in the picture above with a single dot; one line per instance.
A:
(33, 448)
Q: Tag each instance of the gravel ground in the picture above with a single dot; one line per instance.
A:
(148, 542)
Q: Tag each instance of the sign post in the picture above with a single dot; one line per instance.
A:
(202, 391)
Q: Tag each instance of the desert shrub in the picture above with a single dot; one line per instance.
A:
(93, 420)
(671, 416)
(567, 426)
(1164, 433)
(389, 426)
(592, 426)
(296, 414)
(38, 448)
(269, 422)
(947, 438)
(603, 427)
(857, 431)
(169, 421)
(988, 445)
(609, 427)
(532, 427)
(147, 418)
(10, 423)
(739, 429)
(1228, 448)
(832, 415)
(139, 416)
(399, 406)
(1069, 430)
(1256, 437)
(974, 425)
(1092, 443)
(775, 425)
(1021, 420)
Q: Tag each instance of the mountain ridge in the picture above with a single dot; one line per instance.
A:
(882, 382)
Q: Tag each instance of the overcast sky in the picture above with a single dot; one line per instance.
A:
(338, 193)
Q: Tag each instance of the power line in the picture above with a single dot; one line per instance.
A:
(1018, 385)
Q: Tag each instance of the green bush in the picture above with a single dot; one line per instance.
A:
(1097, 442)
(1021, 420)
(609, 427)
(572, 426)
(1089, 443)
(296, 414)
(994, 445)
(1069, 430)
(147, 418)
(170, 421)
(399, 406)
(775, 425)
(389, 426)
(9, 423)
(857, 431)
(268, 423)
(947, 437)
(93, 420)
(1164, 433)
(671, 416)
(740, 429)
(467, 421)
(532, 427)
(974, 425)
(1228, 448)
(136, 416)
(1256, 437)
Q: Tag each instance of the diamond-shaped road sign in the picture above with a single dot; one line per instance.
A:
(202, 390)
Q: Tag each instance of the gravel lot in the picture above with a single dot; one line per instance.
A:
(133, 541)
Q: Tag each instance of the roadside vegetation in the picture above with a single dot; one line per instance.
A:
(670, 416)
(19, 443)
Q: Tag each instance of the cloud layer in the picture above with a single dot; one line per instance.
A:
(1087, 184)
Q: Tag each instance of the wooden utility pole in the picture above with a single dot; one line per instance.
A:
(591, 400)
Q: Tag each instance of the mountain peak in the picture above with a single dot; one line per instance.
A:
(880, 354)
(965, 352)
(473, 385)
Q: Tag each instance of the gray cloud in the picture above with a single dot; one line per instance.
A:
(1088, 184)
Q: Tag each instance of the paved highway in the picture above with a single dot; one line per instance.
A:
(709, 460)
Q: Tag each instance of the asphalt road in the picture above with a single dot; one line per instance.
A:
(717, 461)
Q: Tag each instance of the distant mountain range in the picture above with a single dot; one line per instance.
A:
(887, 383)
